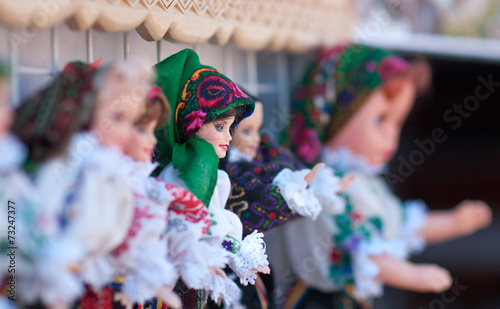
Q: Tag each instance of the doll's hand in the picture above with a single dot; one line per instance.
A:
(432, 278)
(215, 271)
(471, 216)
(127, 303)
(345, 182)
(169, 297)
(312, 174)
(263, 269)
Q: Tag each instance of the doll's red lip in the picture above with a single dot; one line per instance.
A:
(224, 147)
(149, 151)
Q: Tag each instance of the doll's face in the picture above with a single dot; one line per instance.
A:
(246, 137)
(114, 122)
(217, 133)
(121, 97)
(142, 142)
(5, 108)
(374, 130)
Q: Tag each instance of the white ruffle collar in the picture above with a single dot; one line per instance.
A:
(234, 155)
(85, 149)
(139, 169)
(343, 160)
(12, 151)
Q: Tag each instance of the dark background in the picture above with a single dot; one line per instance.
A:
(465, 166)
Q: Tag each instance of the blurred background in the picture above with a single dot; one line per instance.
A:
(459, 38)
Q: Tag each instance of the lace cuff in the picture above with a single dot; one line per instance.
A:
(294, 190)
(142, 284)
(224, 288)
(415, 216)
(194, 271)
(365, 271)
(325, 186)
(97, 271)
(36, 281)
(251, 255)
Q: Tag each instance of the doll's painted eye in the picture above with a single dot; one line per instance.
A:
(380, 119)
(246, 132)
(142, 130)
(118, 117)
(219, 127)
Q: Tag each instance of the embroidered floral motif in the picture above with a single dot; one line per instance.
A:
(185, 203)
(205, 95)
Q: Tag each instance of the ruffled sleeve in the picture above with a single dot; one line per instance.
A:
(364, 270)
(254, 198)
(294, 190)
(325, 186)
(248, 255)
(188, 222)
(42, 254)
(415, 214)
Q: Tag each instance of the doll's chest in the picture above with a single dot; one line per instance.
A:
(371, 198)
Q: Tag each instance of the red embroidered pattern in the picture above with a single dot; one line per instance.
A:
(135, 226)
(185, 203)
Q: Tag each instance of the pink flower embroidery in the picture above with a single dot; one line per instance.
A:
(305, 140)
(237, 91)
(194, 121)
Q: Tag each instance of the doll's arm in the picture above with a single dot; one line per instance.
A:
(252, 193)
(408, 276)
(325, 188)
(293, 188)
(466, 218)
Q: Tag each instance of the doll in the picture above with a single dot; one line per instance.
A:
(14, 186)
(352, 107)
(206, 105)
(258, 167)
(75, 131)
(143, 256)
(269, 186)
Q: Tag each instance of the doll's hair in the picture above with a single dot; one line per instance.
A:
(156, 108)
(238, 113)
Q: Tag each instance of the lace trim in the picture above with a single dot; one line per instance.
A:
(325, 186)
(142, 284)
(344, 160)
(108, 162)
(194, 272)
(415, 216)
(36, 281)
(234, 155)
(294, 190)
(251, 255)
(365, 271)
(224, 288)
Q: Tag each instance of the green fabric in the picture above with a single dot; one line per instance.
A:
(3, 70)
(334, 88)
(197, 94)
(46, 121)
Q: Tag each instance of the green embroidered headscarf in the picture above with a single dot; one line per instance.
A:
(197, 94)
(46, 121)
(333, 90)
